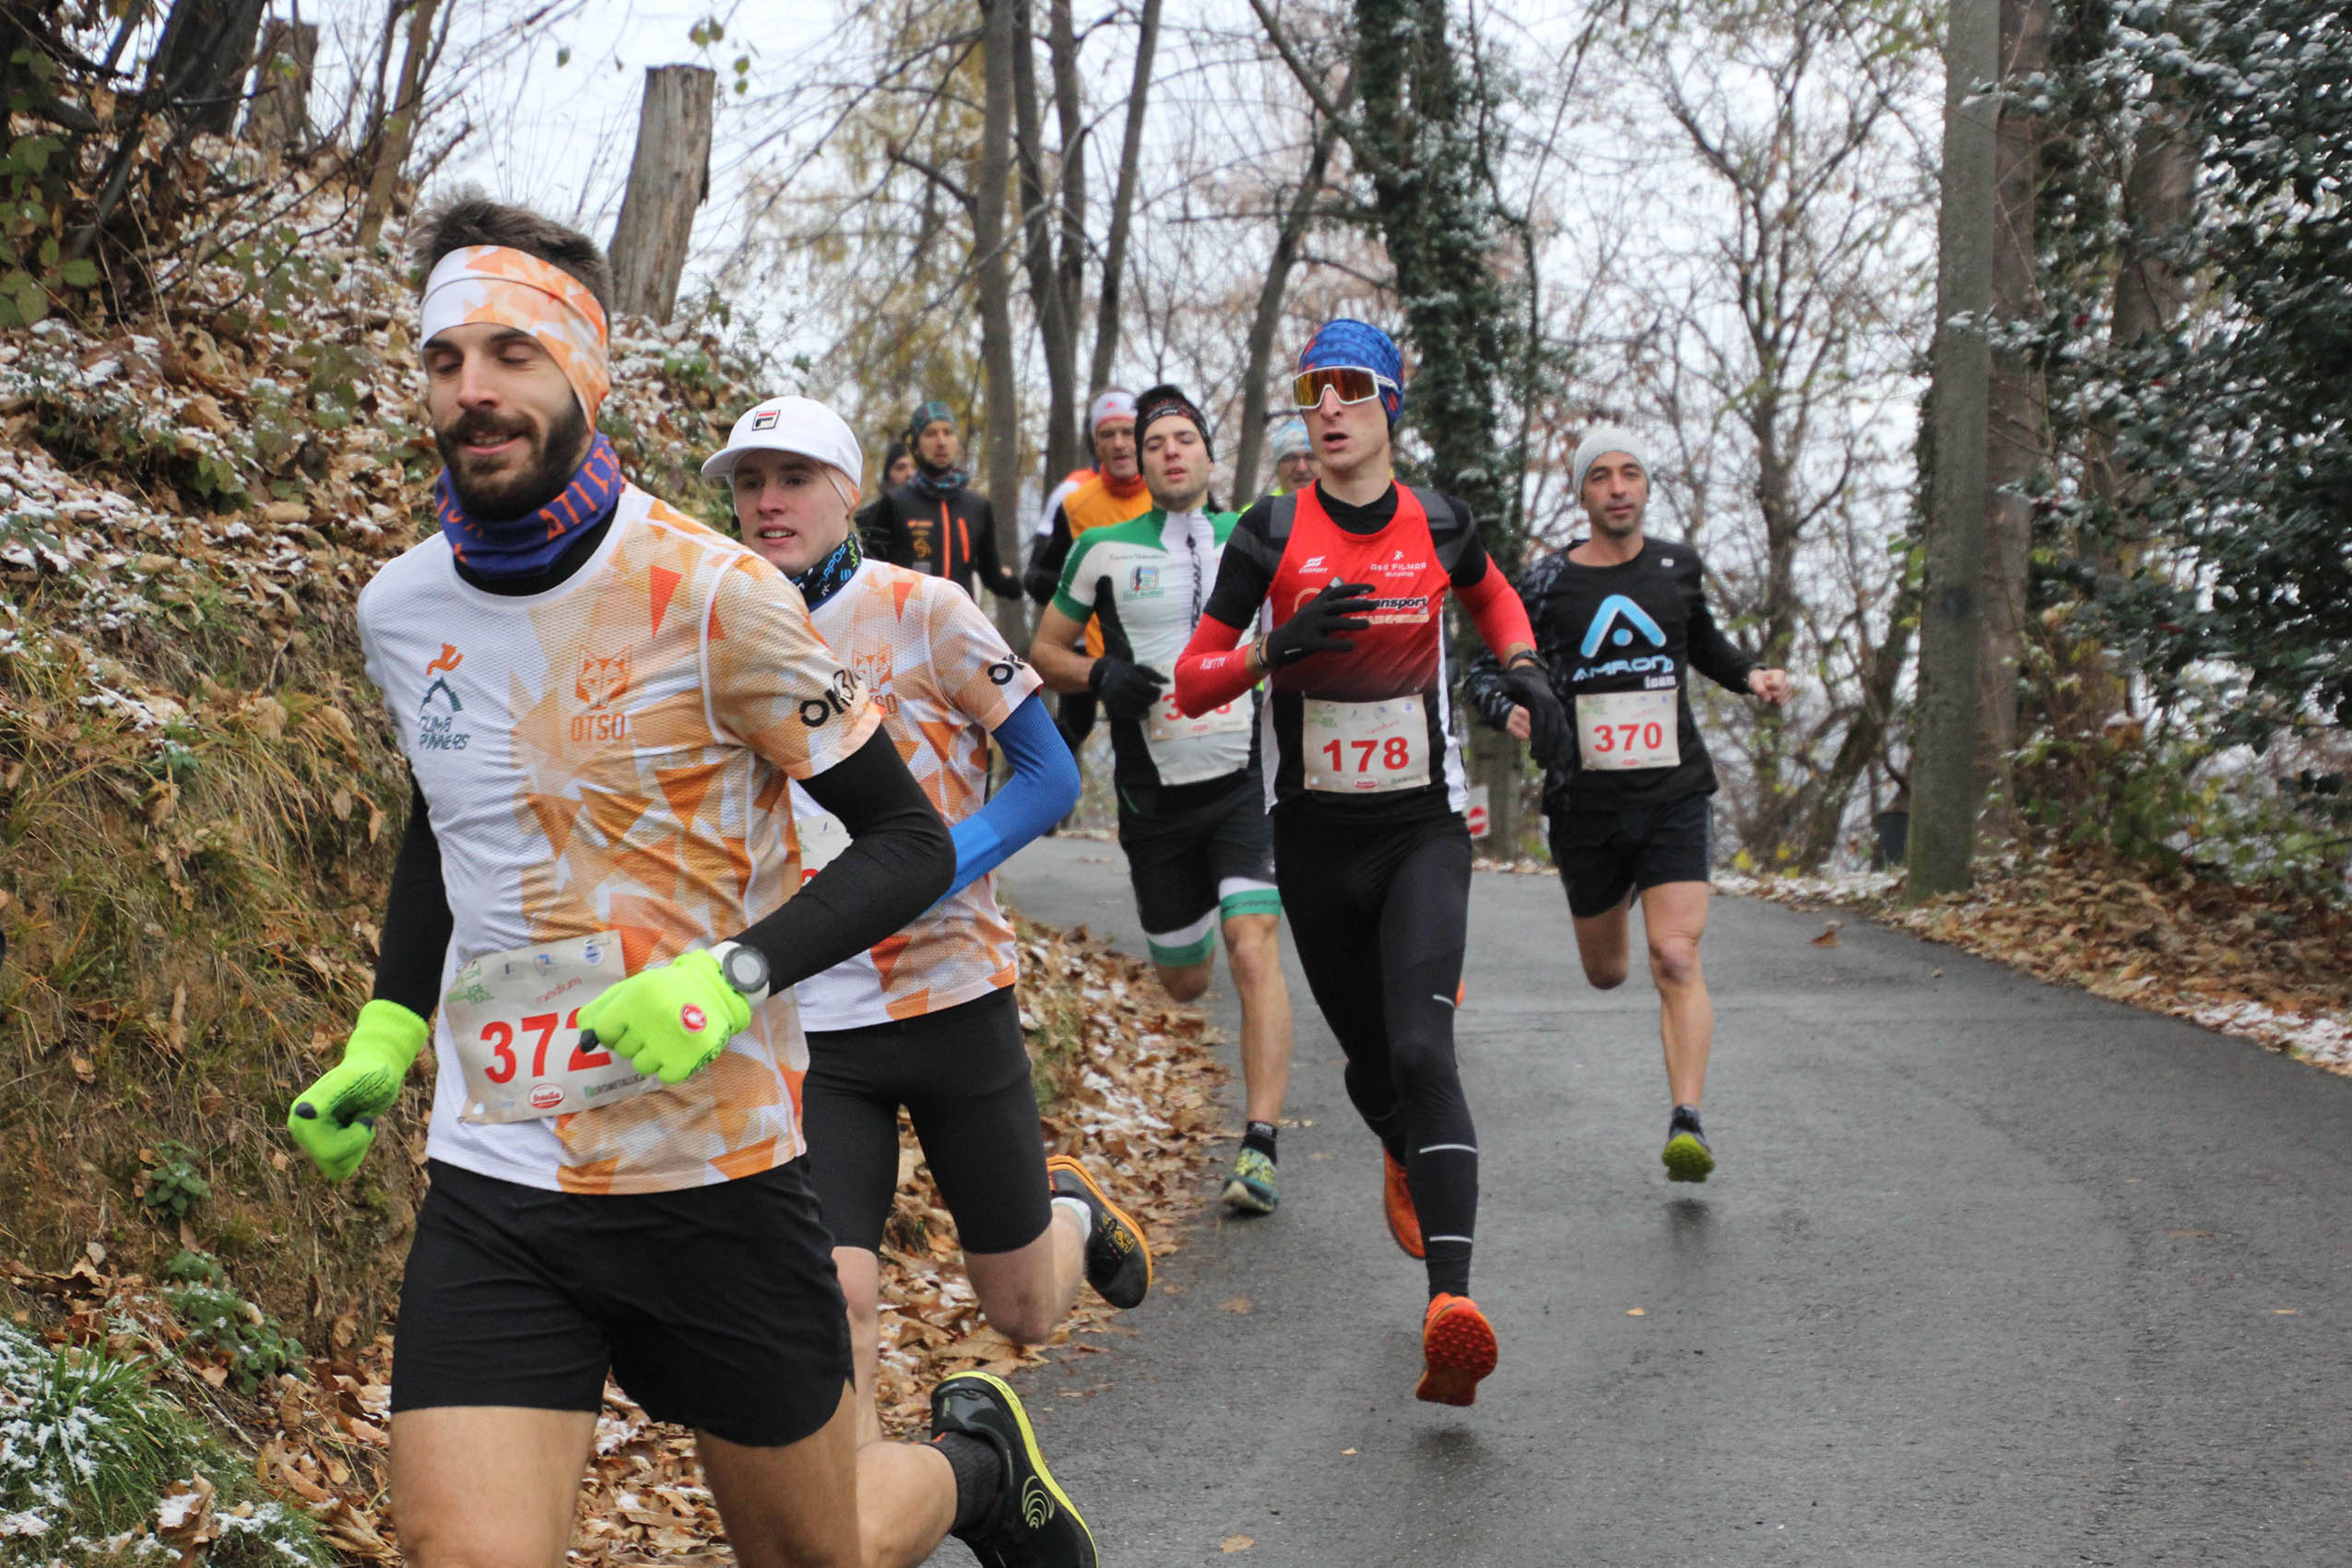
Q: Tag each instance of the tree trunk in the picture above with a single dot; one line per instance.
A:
(2018, 420)
(1865, 735)
(669, 178)
(1069, 109)
(201, 61)
(280, 117)
(1944, 785)
(1056, 332)
(1130, 159)
(399, 125)
(1007, 32)
(1269, 319)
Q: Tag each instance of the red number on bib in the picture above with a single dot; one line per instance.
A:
(545, 1023)
(1338, 756)
(583, 1060)
(1652, 736)
(1396, 753)
(499, 1036)
(1603, 738)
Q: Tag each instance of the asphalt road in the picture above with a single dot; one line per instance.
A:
(1991, 1273)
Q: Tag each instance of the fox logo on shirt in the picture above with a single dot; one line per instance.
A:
(602, 683)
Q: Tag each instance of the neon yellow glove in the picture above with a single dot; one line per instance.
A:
(671, 1020)
(334, 1119)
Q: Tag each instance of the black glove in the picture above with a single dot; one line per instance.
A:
(1127, 691)
(1549, 738)
(1311, 630)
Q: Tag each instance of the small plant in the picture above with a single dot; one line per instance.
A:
(173, 1185)
(192, 1268)
(81, 1430)
(257, 1344)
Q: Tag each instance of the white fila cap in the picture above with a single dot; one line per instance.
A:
(800, 425)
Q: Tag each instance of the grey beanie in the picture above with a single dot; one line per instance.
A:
(1598, 442)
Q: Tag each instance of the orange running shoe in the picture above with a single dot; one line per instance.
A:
(1395, 1201)
(1457, 1350)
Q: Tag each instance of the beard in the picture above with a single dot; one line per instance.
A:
(516, 492)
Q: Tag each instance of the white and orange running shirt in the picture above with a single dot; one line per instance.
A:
(612, 756)
(942, 677)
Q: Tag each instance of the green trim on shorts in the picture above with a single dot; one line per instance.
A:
(1186, 956)
(1255, 901)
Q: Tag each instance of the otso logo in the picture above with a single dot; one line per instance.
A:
(1003, 671)
(1605, 628)
(601, 683)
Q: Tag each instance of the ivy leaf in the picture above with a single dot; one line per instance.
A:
(79, 273)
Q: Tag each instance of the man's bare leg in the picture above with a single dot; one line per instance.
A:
(1674, 917)
(456, 1511)
(829, 1501)
(1253, 952)
(1603, 946)
(1026, 1292)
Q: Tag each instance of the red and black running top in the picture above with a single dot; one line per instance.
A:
(1370, 727)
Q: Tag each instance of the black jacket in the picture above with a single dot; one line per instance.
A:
(953, 536)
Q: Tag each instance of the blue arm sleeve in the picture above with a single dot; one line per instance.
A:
(1042, 788)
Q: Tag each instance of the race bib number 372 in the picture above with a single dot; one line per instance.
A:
(1365, 747)
(515, 1018)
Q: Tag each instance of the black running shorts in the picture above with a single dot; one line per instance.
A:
(714, 1307)
(1602, 856)
(1197, 855)
(962, 1075)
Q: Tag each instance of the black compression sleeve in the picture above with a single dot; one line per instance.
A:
(1046, 561)
(416, 923)
(1002, 580)
(899, 861)
(1246, 571)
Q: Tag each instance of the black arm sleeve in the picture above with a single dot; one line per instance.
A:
(887, 539)
(1712, 654)
(416, 923)
(1046, 561)
(1245, 572)
(1459, 550)
(1001, 580)
(1484, 686)
(899, 861)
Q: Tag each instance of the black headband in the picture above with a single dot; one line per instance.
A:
(1161, 401)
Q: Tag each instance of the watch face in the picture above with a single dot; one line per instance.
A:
(746, 969)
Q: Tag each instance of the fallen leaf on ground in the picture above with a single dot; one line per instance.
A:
(1239, 1305)
(1236, 1543)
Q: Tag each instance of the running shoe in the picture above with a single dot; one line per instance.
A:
(1396, 1203)
(1118, 1260)
(1252, 1188)
(1457, 1349)
(1033, 1523)
(1687, 1155)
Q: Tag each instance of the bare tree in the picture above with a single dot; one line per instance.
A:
(668, 178)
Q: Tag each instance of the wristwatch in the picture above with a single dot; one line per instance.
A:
(745, 968)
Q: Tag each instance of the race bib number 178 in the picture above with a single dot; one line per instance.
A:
(1365, 747)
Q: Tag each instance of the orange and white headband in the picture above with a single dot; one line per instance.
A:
(511, 287)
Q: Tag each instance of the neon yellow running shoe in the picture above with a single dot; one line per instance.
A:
(1252, 1188)
(1687, 1155)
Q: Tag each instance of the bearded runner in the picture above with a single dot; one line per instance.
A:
(1371, 851)
(936, 523)
(603, 703)
(926, 1019)
(1191, 814)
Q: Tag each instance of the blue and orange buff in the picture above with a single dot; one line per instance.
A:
(1345, 341)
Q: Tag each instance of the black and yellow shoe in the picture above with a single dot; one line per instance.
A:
(1034, 1525)
(1118, 1260)
(1687, 1155)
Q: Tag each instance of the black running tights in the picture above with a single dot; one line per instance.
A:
(1377, 915)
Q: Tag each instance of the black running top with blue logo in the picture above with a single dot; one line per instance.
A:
(1641, 625)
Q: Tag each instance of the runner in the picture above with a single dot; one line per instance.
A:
(1628, 803)
(1293, 458)
(936, 523)
(926, 1018)
(1112, 492)
(601, 703)
(1191, 812)
(1370, 847)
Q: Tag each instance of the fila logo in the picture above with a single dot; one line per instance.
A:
(1604, 625)
(765, 421)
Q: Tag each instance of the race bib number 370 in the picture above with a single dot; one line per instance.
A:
(1620, 731)
(1365, 747)
(515, 1018)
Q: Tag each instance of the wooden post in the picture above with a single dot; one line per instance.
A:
(280, 117)
(670, 177)
(201, 61)
(1945, 788)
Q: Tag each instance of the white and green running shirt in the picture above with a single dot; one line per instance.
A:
(1146, 582)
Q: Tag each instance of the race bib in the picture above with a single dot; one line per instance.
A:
(1167, 722)
(1365, 747)
(822, 837)
(515, 1018)
(1620, 731)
